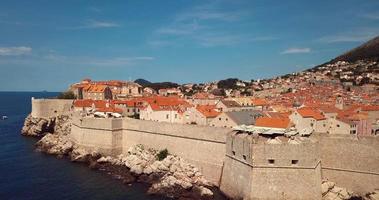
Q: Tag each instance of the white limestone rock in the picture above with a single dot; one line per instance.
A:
(332, 192)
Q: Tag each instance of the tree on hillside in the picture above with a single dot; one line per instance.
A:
(66, 95)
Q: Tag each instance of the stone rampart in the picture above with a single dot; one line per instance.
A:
(95, 134)
(245, 166)
(351, 162)
(202, 146)
(262, 168)
(47, 108)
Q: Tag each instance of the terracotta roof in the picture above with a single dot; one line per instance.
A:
(259, 102)
(167, 103)
(273, 122)
(95, 88)
(310, 112)
(82, 103)
(208, 111)
(370, 108)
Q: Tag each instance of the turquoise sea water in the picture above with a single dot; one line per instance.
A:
(26, 174)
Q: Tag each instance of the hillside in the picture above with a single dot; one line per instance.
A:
(366, 51)
(156, 86)
(142, 82)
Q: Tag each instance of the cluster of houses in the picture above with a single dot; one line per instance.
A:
(300, 110)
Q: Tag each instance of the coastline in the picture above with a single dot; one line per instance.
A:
(53, 139)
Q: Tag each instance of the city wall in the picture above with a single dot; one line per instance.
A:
(351, 162)
(240, 169)
(46, 108)
(202, 146)
(258, 169)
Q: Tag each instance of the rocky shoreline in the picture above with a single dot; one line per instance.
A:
(169, 176)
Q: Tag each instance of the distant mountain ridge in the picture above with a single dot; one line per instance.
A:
(142, 82)
(156, 86)
(367, 51)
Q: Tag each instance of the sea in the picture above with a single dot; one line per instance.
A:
(27, 174)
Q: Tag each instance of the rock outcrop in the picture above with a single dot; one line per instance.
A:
(172, 176)
(331, 191)
(38, 127)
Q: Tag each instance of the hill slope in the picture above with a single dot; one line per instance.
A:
(366, 51)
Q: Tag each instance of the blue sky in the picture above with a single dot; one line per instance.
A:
(46, 45)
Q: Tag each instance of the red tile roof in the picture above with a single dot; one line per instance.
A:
(208, 111)
(310, 112)
(273, 122)
(259, 102)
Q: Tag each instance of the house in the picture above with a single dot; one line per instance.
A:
(201, 114)
(259, 104)
(228, 105)
(170, 92)
(147, 91)
(130, 89)
(90, 106)
(203, 98)
(231, 119)
(97, 92)
(164, 109)
(343, 126)
(131, 107)
(307, 117)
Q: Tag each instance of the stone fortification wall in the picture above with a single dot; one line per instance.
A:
(202, 146)
(95, 134)
(46, 108)
(260, 168)
(351, 162)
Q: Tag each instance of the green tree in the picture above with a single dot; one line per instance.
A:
(67, 95)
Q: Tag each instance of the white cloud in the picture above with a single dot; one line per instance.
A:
(15, 51)
(96, 24)
(102, 24)
(296, 51)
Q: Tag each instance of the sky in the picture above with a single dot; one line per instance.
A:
(47, 45)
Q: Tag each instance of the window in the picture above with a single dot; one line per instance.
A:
(271, 161)
(219, 118)
(130, 91)
(234, 153)
(167, 116)
(226, 119)
(176, 116)
(311, 124)
(294, 162)
(338, 125)
(244, 157)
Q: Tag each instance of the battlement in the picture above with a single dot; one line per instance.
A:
(280, 152)
(47, 108)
